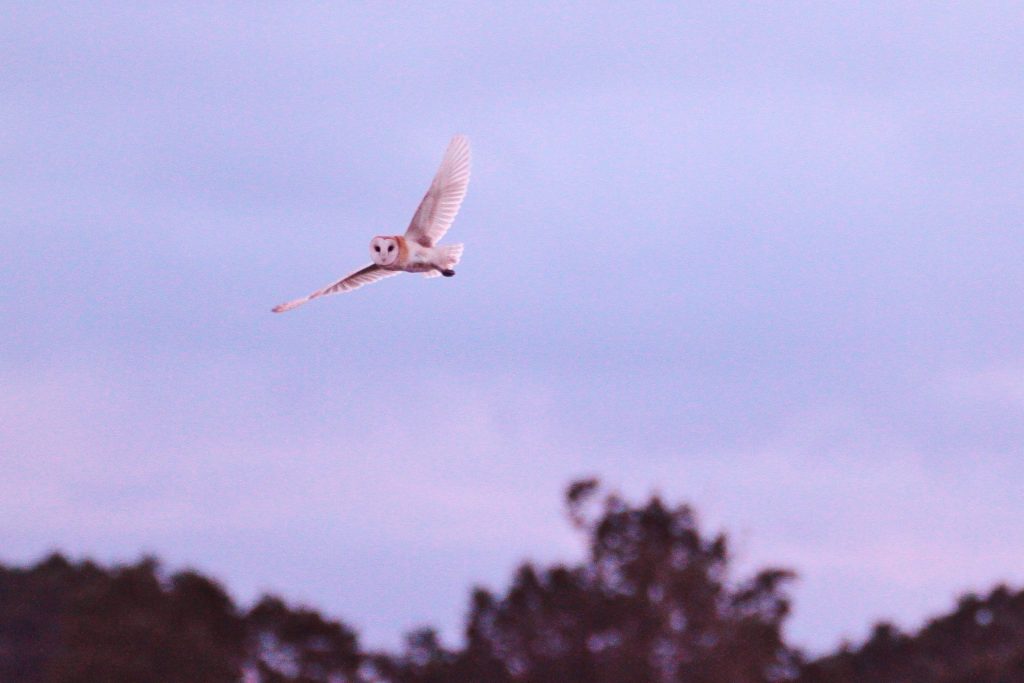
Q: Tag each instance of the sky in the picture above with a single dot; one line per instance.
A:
(763, 258)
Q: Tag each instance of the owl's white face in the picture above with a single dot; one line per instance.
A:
(384, 250)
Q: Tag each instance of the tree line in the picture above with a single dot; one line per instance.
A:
(653, 602)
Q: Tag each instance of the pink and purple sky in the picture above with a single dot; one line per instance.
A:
(767, 259)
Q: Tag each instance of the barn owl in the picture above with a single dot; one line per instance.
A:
(417, 250)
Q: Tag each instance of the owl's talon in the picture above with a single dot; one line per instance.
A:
(448, 272)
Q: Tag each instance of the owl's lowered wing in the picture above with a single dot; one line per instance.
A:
(442, 201)
(363, 276)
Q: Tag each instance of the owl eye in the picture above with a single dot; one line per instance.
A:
(391, 247)
(377, 248)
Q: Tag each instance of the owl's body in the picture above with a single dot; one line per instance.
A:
(417, 250)
(398, 254)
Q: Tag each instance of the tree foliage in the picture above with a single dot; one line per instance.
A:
(78, 623)
(653, 601)
(982, 641)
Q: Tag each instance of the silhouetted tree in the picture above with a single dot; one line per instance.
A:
(653, 603)
(66, 623)
(981, 642)
(298, 645)
(33, 603)
(133, 627)
(425, 660)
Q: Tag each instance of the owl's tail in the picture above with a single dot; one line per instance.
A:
(449, 256)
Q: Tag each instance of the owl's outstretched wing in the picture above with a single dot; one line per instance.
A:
(363, 276)
(441, 202)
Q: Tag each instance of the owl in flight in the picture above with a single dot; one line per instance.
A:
(417, 250)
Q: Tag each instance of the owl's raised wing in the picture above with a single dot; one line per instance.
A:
(441, 202)
(363, 276)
